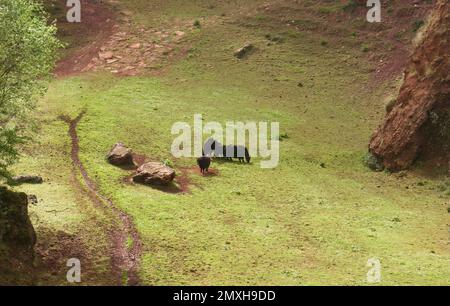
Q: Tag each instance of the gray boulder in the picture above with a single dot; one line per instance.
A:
(154, 173)
(120, 155)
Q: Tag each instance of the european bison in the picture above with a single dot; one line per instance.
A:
(204, 162)
(229, 152)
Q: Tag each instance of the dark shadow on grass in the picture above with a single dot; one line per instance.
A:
(171, 188)
(221, 160)
(126, 167)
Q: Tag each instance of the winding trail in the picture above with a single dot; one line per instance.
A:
(124, 257)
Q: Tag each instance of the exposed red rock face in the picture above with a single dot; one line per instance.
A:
(424, 100)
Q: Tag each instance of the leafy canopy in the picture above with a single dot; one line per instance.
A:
(28, 49)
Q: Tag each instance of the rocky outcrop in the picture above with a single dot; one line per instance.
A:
(419, 117)
(120, 155)
(16, 230)
(154, 173)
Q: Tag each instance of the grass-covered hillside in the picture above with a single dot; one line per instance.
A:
(318, 69)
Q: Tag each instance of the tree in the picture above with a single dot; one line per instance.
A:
(28, 49)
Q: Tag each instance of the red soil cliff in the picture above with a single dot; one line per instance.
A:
(420, 117)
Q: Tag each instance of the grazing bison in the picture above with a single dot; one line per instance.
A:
(228, 152)
(240, 152)
(204, 162)
(209, 148)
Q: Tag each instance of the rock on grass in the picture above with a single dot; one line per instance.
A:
(154, 173)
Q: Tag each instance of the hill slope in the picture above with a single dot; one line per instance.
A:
(315, 219)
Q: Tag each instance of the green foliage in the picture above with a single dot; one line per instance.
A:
(390, 105)
(352, 5)
(27, 55)
(197, 24)
(168, 163)
(365, 48)
(417, 24)
(372, 162)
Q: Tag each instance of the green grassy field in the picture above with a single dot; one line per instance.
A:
(316, 219)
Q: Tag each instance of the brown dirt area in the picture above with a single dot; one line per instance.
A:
(112, 42)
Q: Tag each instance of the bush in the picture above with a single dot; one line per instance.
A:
(373, 162)
(28, 49)
(390, 105)
(417, 25)
(168, 163)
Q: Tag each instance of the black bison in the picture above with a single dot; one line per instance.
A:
(228, 152)
(204, 162)
(239, 152)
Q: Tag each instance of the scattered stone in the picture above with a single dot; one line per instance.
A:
(126, 13)
(154, 173)
(120, 155)
(27, 179)
(105, 55)
(244, 51)
(179, 33)
(88, 67)
(135, 46)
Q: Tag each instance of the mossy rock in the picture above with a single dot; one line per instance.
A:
(16, 230)
(373, 162)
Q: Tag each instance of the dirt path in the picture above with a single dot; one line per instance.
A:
(124, 257)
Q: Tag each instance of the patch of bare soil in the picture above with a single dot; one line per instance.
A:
(182, 183)
(387, 45)
(52, 252)
(136, 51)
(113, 43)
(96, 27)
(184, 180)
(124, 259)
(405, 16)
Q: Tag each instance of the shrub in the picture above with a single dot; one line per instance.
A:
(28, 47)
(372, 162)
(417, 25)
